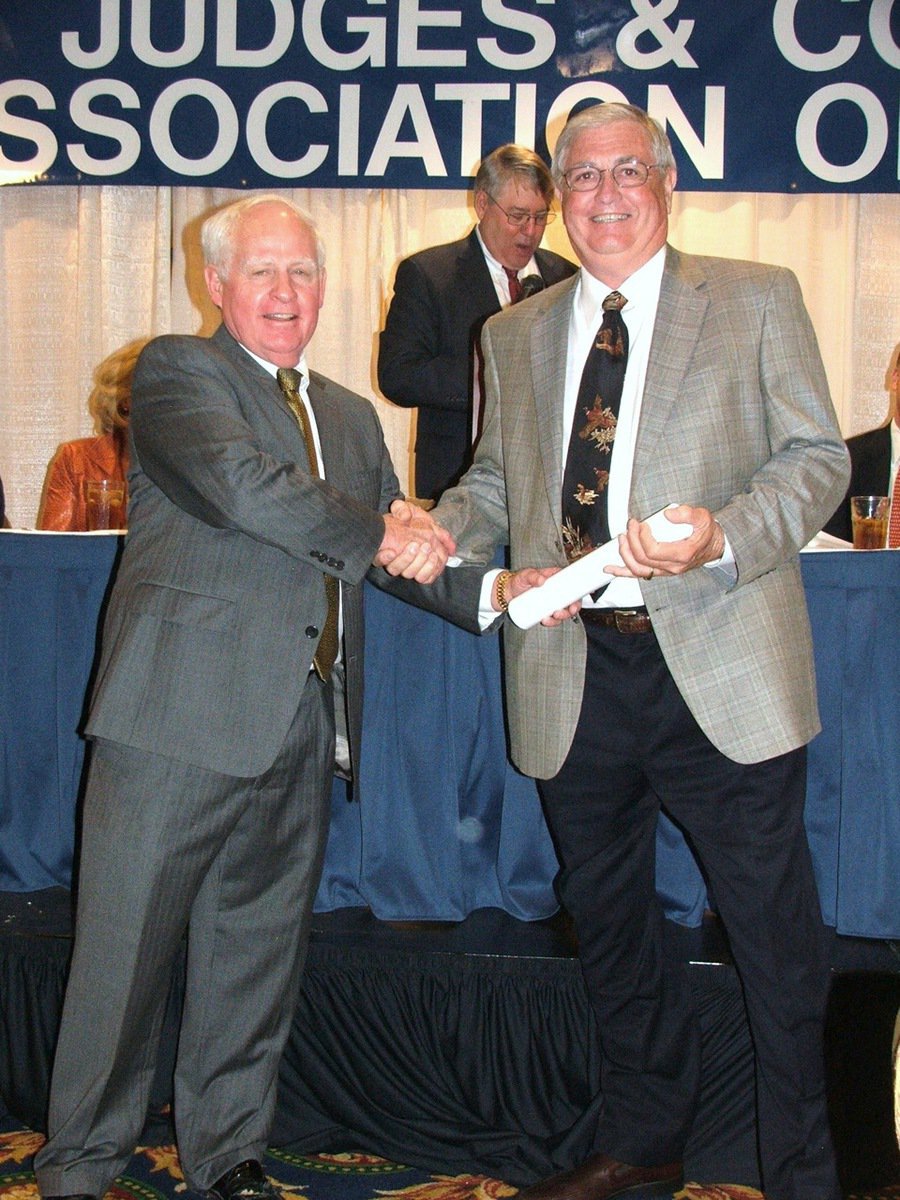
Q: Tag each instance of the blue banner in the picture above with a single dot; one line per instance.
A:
(757, 95)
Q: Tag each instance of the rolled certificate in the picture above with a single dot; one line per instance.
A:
(586, 574)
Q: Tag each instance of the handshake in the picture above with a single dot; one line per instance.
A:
(414, 545)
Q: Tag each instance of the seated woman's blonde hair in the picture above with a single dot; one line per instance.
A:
(110, 400)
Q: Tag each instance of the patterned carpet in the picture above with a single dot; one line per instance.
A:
(154, 1174)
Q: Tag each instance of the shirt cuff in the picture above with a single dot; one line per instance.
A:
(487, 614)
(726, 563)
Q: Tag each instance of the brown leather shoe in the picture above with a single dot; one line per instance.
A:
(601, 1177)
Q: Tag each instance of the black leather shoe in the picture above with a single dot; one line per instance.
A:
(601, 1177)
(246, 1181)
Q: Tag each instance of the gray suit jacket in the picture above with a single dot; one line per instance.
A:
(736, 417)
(218, 600)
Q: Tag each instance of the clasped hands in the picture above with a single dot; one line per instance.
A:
(414, 545)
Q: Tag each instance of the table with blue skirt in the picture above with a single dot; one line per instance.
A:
(440, 824)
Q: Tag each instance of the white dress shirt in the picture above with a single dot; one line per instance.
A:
(303, 368)
(498, 272)
(641, 292)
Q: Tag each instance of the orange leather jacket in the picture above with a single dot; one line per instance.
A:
(63, 505)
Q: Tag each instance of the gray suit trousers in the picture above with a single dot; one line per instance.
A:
(168, 847)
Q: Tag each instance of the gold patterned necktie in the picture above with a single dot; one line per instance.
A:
(586, 476)
(289, 381)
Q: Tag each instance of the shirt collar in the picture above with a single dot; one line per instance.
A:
(488, 257)
(302, 366)
(497, 267)
(638, 288)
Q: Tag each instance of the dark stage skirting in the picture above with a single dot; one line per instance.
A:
(484, 1062)
(470, 1047)
(467, 1048)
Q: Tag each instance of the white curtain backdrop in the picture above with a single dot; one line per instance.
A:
(84, 270)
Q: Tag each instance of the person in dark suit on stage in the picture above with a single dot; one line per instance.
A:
(253, 483)
(688, 681)
(874, 457)
(427, 353)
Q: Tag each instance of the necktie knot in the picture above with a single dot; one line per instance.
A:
(289, 379)
(614, 302)
(515, 285)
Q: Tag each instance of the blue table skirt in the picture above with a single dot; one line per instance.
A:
(444, 824)
(853, 789)
(51, 590)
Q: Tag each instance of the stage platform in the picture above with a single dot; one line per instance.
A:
(471, 1046)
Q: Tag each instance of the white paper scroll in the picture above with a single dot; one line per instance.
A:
(585, 575)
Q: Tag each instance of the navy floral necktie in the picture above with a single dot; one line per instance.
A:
(586, 476)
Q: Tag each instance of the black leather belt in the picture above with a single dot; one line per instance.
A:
(623, 620)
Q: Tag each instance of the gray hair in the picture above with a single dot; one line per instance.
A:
(217, 233)
(609, 114)
(513, 162)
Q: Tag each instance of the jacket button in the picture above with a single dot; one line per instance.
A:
(338, 564)
(311, 631)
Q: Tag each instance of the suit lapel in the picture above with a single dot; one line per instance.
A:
(549, 346)
(260, 395)
(329, 422)
(479, 294)
(679, 318)
(880, 463)
(263, 391)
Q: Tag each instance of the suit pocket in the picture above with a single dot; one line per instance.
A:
(196, 609)
(167, 681)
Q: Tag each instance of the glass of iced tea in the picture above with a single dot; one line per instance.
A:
(869, 515)
(105, 502)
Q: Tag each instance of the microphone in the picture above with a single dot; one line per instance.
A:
(531, 285)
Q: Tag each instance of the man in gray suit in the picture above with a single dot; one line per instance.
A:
(688, 682)
(213, 735)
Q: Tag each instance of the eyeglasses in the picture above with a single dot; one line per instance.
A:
(518, 218)
(587, 178)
